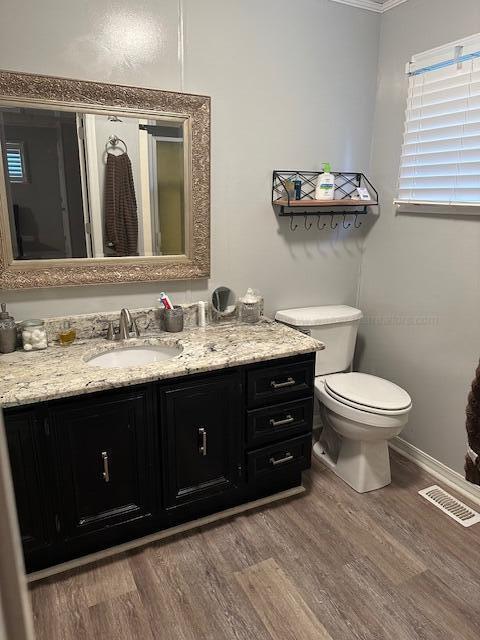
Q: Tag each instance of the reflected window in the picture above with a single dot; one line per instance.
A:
(16, 162)
(167, 182)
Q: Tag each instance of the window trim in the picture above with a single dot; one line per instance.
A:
(444, 208)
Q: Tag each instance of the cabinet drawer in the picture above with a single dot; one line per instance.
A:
(293, 454)
(268, 385)
(280, 421)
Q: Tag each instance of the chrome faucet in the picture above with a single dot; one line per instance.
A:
(127, 326)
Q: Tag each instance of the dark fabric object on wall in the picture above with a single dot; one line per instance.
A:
(121, 223)
(472, 469)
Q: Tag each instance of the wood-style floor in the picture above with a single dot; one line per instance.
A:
(327, 565)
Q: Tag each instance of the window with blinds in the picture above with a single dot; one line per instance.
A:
(16, 162)
(440, 161)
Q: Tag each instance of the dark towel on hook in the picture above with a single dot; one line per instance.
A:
(121, 223)
(472, 459)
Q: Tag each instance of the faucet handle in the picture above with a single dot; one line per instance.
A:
(135, 329)
(111, 335)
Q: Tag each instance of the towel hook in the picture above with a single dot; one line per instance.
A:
(331, 223)
(318, 223)
(357, 226)
(305, 223)
(293, 228)
(345, 220)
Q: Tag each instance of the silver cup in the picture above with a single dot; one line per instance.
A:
(174, 319)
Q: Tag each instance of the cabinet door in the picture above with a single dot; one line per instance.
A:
(105, 456)
(203, 439)
(26, 446)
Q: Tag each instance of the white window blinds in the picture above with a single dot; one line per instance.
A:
(15, 162)
(440, 162)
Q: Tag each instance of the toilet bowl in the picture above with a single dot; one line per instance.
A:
(359, 412)
(363, 430)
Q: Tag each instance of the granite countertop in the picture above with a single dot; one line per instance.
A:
(60, 372)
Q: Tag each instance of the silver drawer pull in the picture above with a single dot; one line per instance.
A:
(280, 423)
(202, 449)
(281, 385)
(106, 472)
(288, 456)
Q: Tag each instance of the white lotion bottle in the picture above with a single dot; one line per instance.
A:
(202, 307)
(326, 184)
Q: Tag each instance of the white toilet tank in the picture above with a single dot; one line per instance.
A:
(335, 325)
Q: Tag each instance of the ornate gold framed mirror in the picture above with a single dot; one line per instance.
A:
(101, 183)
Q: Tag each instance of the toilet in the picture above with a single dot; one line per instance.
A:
(359, 413)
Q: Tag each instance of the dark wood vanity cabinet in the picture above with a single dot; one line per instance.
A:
(202, 439)
(30, 465)
(100, 469)
(105, 448)
(279, 418)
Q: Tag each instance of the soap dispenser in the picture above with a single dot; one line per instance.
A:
(8, 331)
(326, 184)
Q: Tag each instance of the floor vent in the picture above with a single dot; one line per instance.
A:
(450, 505)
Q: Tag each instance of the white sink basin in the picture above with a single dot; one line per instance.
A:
(134, 356)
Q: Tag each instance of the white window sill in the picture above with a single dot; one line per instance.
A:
(438, 208)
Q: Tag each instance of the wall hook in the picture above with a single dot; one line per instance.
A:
(305, 223)
(332, 226)
(346, 226)
(318, 223)
(293, 228)
(357, 226)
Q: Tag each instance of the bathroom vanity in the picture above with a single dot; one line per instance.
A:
(102, 456)
(110, 444)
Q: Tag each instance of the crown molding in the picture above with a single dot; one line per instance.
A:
(389, 4)
(370, 5)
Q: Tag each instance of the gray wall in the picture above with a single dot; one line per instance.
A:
(273, 107)
(420, 266)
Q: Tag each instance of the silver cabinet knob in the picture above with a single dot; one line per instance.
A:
(280, 423)
(288, 456)
(289, 382)
(202, 449)
(106, 471)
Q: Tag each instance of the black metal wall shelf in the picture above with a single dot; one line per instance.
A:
(346, 184)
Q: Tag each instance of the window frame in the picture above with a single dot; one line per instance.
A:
(452, 53)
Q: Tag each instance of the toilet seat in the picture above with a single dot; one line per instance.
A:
(368, 393)
(359, 415)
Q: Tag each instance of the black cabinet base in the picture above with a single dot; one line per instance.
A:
(108, 468)
(56, 563)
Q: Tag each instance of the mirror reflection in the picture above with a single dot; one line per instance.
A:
(89, 185)
(224, 303)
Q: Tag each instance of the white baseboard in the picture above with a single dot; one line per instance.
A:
(437, 469)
